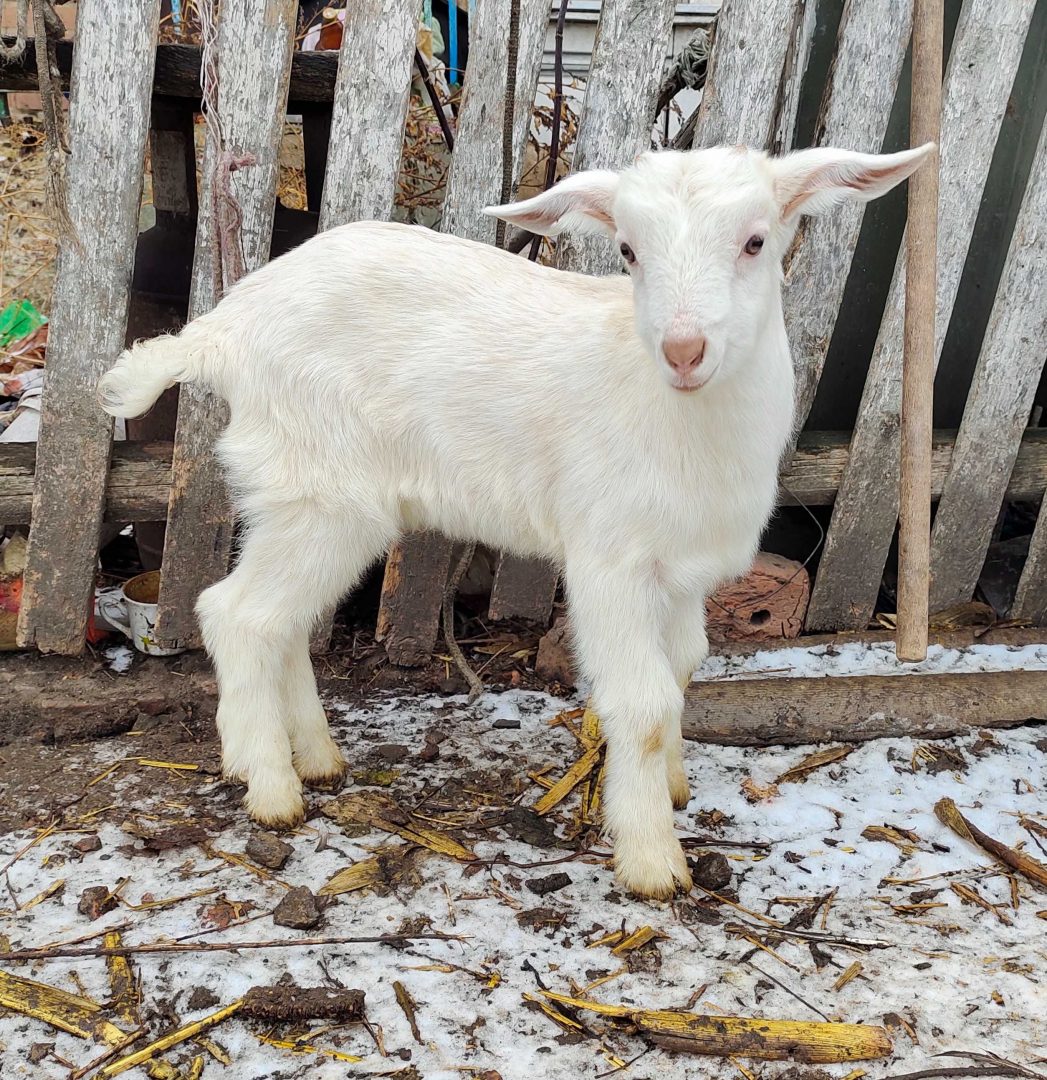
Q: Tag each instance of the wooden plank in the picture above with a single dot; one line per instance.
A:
(1030, 598)
(139, 481)
(817, 467)
(111, 79)
(409, 613)
(749, 71)
(805, 18)
(177, 72)
(985, 54)
(370, 109)
(618, 111)
(371, 98)
(870, 51)
(615, 126)
(524, 588)
(998, 405)
(255, 39)
(794, 712)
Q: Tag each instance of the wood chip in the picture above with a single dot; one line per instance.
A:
(948, 814)
(569, 781)
(80, 1016)
(173, 1038)
(814, 761)
(728, 1036)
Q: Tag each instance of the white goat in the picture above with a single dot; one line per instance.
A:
(629, 431)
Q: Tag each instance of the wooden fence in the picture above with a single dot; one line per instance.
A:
(752, 95)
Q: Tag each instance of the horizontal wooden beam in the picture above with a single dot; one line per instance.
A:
(813, 477)
(137, 489)
(177, 72)
(798, 711)
(140, 475)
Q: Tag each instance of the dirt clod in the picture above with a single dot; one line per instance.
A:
(96, 901)
(529, 828)
(86, 844)
(291, 1002)
(298, 909)
(268, 850)
(551, 883)
(200, 999)
(711, 870)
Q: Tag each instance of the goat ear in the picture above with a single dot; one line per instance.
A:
(580, 203)
(811, 181)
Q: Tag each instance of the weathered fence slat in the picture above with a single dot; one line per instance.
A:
(618, 111)
(255, 40)
(371, 97)
(748, 86)
(416, 573)
(870, 51)
(1030, 598)
(797, 56)
(370, 109)
(998, 405)
(111, 78)
(615, 126)
(984, 59)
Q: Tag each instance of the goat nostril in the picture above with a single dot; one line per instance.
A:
(684, 354)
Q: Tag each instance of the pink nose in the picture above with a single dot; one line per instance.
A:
(684, 354)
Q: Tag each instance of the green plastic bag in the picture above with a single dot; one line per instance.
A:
(19, 318)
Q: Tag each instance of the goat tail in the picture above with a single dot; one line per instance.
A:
(143, 372)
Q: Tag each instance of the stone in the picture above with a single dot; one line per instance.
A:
(299, 910)
(554, 662)
(86, 844)
(268, 850)
(96, 901)
(711, 870)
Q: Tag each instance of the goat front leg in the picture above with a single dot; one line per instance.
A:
(618, 620)
(687, 645)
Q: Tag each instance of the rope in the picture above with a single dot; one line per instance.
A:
(48, 28)
(9, 53)
(227, 252)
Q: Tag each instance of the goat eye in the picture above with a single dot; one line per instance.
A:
(628, 254)
(753, 245)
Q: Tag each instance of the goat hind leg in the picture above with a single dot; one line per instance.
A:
(255, 625)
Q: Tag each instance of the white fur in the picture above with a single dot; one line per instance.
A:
(383, 378)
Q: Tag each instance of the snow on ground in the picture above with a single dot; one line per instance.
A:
(953, 977)
(863, 658)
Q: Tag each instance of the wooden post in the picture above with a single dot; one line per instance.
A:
(255, 43)
(914, 508)
(108, 124)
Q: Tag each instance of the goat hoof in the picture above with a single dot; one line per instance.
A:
(276, 804)
(325, 770)
(654, 871)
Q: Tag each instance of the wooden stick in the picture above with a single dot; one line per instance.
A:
(914, 510)
(219, 946)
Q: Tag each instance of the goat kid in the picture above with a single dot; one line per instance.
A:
(628, 430)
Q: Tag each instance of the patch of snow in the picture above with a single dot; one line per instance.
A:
(960, 976)
(863, 658)
(120, 658)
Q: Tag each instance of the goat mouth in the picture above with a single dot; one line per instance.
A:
(689, 388)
